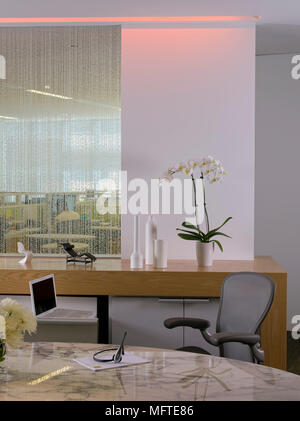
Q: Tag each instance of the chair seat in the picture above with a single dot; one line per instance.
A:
(194, 349)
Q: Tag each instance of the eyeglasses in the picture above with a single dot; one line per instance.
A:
(116, 358)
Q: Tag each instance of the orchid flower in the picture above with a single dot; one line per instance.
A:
(212, 171)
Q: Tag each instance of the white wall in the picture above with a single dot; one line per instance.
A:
(187, 93)
(277, 198)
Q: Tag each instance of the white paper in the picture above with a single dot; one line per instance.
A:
(127, 359)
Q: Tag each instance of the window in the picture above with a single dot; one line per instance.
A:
(60, 140)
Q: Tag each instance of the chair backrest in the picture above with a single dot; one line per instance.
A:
(246, 298)
(69, 248)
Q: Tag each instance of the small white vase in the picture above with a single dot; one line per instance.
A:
(204, 252)
(150, 236)
(160, 254)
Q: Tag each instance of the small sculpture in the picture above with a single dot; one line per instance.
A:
(28, 254)
(75, 257)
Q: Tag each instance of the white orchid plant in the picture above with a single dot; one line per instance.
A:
(212, 171)
(18, 320)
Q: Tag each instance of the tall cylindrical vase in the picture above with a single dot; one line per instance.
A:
(204, 252)
(136, 258)
(150, 236)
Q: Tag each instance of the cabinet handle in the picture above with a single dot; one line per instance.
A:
(186, 300)
(197, 300)
(170, 300)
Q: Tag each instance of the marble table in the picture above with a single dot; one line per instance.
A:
(45, 371)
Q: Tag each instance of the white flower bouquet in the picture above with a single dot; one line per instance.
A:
(212, 171)
(18, 319)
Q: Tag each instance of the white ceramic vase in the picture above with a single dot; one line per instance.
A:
(136, 258)
(204, 252)
(150, 236)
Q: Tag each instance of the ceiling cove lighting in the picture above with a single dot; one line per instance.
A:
(133, 19)
(8, 118)
(33, 91)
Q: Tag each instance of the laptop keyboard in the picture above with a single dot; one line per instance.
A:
(63, 313)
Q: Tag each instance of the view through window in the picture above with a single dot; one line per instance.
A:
(60, 146)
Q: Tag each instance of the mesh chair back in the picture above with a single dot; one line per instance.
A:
(246, 298)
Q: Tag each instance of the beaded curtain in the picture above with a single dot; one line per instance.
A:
(60, 138)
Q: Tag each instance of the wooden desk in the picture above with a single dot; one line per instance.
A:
(182, 278)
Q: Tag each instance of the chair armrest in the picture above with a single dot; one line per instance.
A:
(223, 337)
(201, 324)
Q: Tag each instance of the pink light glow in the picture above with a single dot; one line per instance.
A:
(130, 19)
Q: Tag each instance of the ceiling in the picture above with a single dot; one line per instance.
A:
(278, 38)
(278, 31)
(62, 72)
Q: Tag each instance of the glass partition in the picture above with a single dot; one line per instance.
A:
(60, 146)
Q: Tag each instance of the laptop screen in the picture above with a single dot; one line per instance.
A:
(43, 294)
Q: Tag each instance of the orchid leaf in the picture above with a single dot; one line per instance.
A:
(188, 225)
(189, 237)
(212, 234)
(218, 243)
(217, 229)
(192, 227)
(196, 234)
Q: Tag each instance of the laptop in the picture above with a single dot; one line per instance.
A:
(44, 302)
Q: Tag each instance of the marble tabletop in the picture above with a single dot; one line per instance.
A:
(45, 371)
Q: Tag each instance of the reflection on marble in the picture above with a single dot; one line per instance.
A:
(45, 371)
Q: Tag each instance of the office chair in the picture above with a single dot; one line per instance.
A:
(246, 298)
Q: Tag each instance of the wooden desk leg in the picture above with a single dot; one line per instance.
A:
(273, 329)
(103, 319)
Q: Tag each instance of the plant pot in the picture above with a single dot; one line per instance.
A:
(204, 252)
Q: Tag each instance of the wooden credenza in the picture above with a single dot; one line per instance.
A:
(182, 278)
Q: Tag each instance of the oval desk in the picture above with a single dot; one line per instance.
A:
(45, 372)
